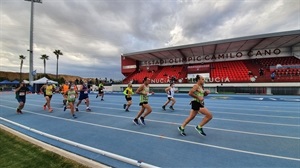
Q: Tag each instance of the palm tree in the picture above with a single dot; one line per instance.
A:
(57, 53)
(21, 57)
(44, 57)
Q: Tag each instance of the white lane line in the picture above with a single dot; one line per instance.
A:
(222, 119)
(178, 109)
(172, 123)
(82, 146)
(174, 139)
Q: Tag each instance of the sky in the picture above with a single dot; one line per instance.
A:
(92, 34)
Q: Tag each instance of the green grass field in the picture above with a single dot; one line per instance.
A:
(18, 153)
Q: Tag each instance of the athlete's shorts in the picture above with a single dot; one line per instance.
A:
(21, 99)
(83, 96)
(128, 98)
(50, 96)
(141, 103)
(169, 98)
(72, 101)
(101, 92)
(196, 105)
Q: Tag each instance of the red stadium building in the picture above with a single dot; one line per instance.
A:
(240, 65)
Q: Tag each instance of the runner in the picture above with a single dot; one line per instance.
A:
(128, 92)
(170, 94)
(198, 93)
(144, 92)
(101, 91)
(83, 95)
(48, 90)
(21, 96)
(64, 90)
(72, 94)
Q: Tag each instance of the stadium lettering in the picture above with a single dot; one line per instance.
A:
(161, 80)
(205, 58)
(217, 80)
(265, 52)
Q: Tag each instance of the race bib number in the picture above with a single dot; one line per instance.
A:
(85, 92)
(22, 94)
(72, 96)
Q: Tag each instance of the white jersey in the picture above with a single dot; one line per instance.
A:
(171, 92)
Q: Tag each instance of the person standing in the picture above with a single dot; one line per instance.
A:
(128, 92)
(170, 95)
(83, 95)
(197, 103)
(21, 96)
(144, 93)
(48, 90)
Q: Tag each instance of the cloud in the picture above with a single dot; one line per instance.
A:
(93, 34)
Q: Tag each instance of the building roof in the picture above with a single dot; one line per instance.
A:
(248, 43)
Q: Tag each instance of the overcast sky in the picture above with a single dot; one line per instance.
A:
(92, 34)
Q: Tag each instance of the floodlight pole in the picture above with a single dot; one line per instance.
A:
(31, 40)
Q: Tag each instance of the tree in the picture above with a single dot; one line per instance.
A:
(44, 57)
(21, 57)
(57, 53)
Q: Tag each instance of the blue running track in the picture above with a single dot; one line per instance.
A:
(246, 131)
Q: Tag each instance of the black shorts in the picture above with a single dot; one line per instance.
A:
(169, 98)
(141, 103)
(128, 98)
(101, 92)
(21, 99)
(50, 96)
(83, 96)
(196, 105)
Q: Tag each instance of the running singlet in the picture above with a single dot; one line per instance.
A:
(22, 92)
(49, 90)
(84, 90)
(144, 98)
(65, 88)
(128, 91)
(199, 92)
(71, 96)
(171, 92)
(101, 86)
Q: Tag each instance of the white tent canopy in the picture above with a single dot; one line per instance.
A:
(43, 80)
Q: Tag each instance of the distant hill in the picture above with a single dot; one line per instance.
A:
(16, 76)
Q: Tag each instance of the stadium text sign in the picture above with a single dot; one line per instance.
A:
(208, 80)
(218, 57)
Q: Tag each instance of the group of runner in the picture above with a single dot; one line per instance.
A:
(197, 104)
(71, 92)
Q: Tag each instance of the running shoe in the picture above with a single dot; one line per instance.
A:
(45, 107)
(76, 109)
(171, 107)
(50, 110)
(102, 99)
(19, 111)
(142, 120)
(65, 108)
(96, 96)
(200, 131)
(74, 116)
(164, 108)
(181, 131)
(136, 121)
(88, 110)
(127, 110)
(124, 106)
